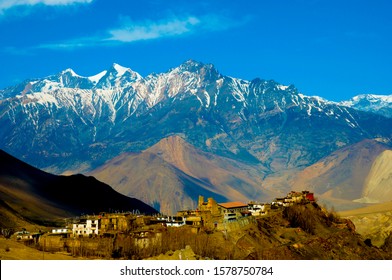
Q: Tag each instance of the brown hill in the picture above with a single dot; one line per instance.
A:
(340, 177)
(171, 174)
(368, 210)
(373, 222)
(299, 232)
(378, 183)
(31, 196)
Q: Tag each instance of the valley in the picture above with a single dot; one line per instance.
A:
(118, 142)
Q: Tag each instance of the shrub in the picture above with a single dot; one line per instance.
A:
(300, 216)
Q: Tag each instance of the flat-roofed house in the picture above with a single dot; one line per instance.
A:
(86, 227)
(230, 210)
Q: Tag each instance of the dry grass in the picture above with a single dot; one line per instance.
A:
(14, 250)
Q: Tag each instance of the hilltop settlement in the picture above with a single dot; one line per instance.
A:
(208, 214)
(229, 230)
(290, 227)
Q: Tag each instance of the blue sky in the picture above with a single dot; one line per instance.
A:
(335, 49)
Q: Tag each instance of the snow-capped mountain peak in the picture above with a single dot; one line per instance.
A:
(120, 69)
(195, 66)
(117, 77)
(368, 99)
(67, 116)
(95, 79)
(71, 72)
(380, 104)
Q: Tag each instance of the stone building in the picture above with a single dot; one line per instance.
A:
(211, 206)
(117, 222)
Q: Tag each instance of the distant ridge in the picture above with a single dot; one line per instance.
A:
(342, 175)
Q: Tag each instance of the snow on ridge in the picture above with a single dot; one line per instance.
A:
(374, 97)
(370, 97)
(120, 69)
(368, 102)
(318, 99)
(95, 79)
(152, 88)
(49, 85)
(208, 99)
(72, 72)
(41, 98)
(282, 87)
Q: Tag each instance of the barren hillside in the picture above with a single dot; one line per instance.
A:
(172, 174)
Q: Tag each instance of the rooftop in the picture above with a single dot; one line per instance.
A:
(235, 204)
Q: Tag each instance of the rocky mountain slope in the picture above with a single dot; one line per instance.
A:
(29, 195)
(69, 122)
(265, 131)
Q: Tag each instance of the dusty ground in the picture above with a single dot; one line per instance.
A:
(13, 250)
(183, 254)
(373, 222)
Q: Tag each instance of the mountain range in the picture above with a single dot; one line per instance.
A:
(378, 104)
(191, 130)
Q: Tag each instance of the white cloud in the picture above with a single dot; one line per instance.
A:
(131, 31)
(8, 4)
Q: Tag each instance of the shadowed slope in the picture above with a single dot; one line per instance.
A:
(31, 194)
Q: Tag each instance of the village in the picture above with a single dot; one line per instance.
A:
(208, 213)
(96, 233)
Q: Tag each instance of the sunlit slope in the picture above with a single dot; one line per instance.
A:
(378, 184)
(172, 174)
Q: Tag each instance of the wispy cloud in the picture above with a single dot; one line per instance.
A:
(72, 44)
(137, 31)
(129, 31)
(8, 4)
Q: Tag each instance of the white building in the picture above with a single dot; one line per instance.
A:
(175, 221)
(258, 208)
(86, 228)
(61, 230)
